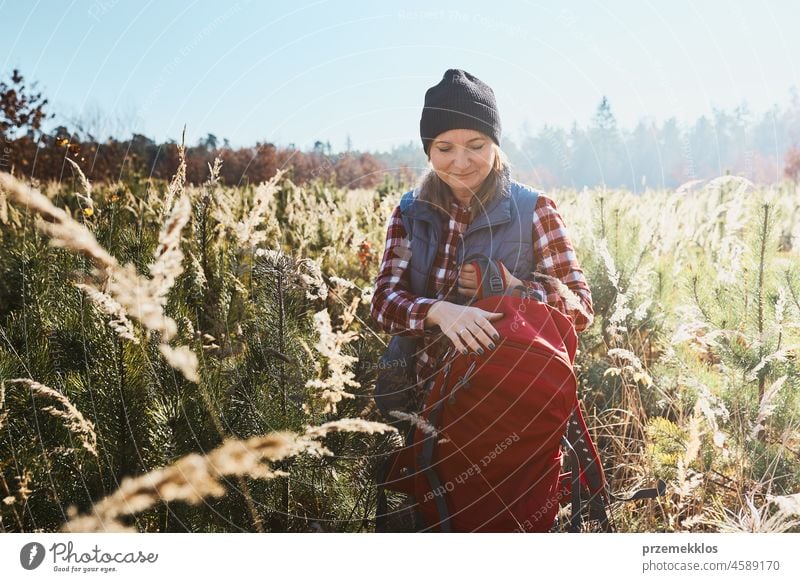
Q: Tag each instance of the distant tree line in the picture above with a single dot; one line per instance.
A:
(651, 155)
(43, 157)
(663, 155)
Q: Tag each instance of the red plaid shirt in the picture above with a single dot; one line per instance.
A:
(399, 312)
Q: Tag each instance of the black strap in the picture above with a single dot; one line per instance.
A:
(598, 510)
(525, 293)
(425, 462)
(575, 518)
(425, 458)
(648, 493)
(580, 443)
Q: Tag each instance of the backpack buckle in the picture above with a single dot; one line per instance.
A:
(463, 382)
(496, 284)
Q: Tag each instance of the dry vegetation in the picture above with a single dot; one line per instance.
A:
(172, 356)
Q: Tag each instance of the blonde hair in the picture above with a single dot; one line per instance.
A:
(434, 190)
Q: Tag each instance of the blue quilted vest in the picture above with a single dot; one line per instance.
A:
(502, 232)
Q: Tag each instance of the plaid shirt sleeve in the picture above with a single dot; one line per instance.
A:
(393, 306)
(559, 265)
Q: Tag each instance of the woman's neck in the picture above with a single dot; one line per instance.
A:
(464, 199)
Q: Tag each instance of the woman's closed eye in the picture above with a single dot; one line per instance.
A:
(476, 148)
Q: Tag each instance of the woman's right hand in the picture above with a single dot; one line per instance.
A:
(466, 327)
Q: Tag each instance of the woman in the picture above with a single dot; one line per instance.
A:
(469, 183)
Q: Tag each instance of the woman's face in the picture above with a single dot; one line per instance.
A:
(462, 158)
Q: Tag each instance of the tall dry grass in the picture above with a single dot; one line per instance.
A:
(194, 477)
(259, 296)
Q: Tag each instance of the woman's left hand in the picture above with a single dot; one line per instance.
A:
(468, 279)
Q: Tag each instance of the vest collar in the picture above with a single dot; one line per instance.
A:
(497, 212)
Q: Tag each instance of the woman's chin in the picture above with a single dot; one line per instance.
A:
(464, 184)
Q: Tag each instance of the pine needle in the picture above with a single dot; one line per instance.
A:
(72, 418)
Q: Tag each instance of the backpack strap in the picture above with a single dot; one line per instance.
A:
(583, 455)
(591, 470)
(490, 275)
(405, 203)
(575, 518)
(492, 280)
(425, 463)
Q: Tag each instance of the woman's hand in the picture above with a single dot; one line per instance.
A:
(466, 327)
(468, 279)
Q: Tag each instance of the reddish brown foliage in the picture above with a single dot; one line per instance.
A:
(141, 158)
(20, 109)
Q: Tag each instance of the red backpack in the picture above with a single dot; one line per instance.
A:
(488, 455)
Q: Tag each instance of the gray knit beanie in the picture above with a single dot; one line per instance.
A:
(459, 101)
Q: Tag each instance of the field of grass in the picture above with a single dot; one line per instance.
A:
(180, 358)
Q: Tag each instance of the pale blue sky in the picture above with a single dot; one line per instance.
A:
(297, 71)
